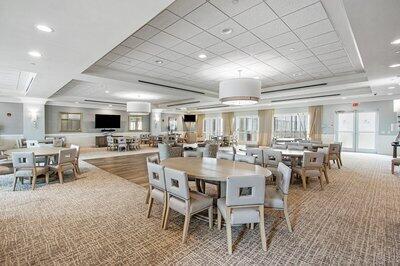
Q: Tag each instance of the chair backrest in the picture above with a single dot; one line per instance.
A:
(110, 140)
(334, 148)
(340, 145)
(23, 160)
(225, 156)
(325, 151)
(163, 149)
(313, 159)
(32, 143)
(192, 153)
(307, 146)
(279, 146)
(66, 156)
(245, 190)
(245, 158)
(257, 152)
(121, 140)
(272, 157)
(77, 148)
(156, 175)
(296, 147)
(283, 182)
(58, 142)
(153, 159)
(177, 183)
(211, 150)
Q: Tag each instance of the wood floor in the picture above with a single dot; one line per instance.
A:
(130, 167)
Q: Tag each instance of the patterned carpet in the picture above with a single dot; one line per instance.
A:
(100, 219)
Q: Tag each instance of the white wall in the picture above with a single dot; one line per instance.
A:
(33, 120)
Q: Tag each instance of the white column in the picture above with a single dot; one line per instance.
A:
(155, 121)
(33, 118)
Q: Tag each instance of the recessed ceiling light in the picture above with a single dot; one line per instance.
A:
(394, 65)
(227, 31)
(76, 102)
(344, 98)
(235, 2)
(397, 52)
(110, 105)
(159, 62)
(256, 77)
(395, 42)
(35, 54)
(202, 56)
(296, 74)
(391, 88)
(107, 91)
(390, 93)
(291, 49)
(44, 28)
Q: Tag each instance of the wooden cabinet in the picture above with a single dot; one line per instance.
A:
(101, 141)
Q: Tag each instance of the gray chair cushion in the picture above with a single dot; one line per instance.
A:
(273, 197)
(157, 194)
(239, 215)
(28, 172)
(198, 202)
(275, 172)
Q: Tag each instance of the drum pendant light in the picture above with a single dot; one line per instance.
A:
(240, 91)
(138, 108)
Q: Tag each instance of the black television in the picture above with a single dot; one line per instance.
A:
(189, 118)
(107, 121)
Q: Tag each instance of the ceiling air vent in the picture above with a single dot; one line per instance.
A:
(212, 106)
(296, 88)
(94, 101)
(179, 104)
(170, 87)
(305, 98)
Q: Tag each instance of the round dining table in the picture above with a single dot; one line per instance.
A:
(38, 151)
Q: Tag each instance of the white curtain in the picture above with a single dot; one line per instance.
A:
(265, 118)
(228, 121)
(199, 125)
(315, 122)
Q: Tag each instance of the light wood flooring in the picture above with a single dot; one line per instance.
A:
(130, 167)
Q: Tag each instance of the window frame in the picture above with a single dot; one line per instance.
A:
(68, 113)
(129, 123)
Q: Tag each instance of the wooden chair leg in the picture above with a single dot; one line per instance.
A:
(262, 229)
(252, 226)
(15, 183)
(320, 180)
(340, 160)
(164, 209)
(326, 174)
(198, 185)
(286, 213)
(74, 171)
(228, 230)
(219, 219)
(392, 168)
(34, 182)
(338, 163)
(186, 227)
(210, 217)
(166, 215)
(304, 180)
(147, 195)
(203, 186)
(47, 177)
(60, 176)
(329, 164)
(149, 207)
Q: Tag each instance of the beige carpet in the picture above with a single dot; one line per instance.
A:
(100, 219)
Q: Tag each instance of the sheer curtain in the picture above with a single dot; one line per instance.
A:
(199, 125)
(266, 118)
(228, 122)
(315, 122)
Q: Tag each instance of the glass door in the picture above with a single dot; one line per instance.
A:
(345, 130)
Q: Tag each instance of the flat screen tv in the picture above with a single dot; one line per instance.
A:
(189, 118)
(107, 121)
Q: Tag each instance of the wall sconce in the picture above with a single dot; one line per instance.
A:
(34, 118)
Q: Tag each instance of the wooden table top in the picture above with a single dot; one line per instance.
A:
(39, 151)
(213, 169)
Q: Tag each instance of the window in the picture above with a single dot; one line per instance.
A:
(212, 127)
(291, 125)
(172, 124)
(247, 128)
(70, 122)
(135, 123)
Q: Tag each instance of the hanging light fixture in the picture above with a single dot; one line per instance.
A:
(240, 91)
(138, 108)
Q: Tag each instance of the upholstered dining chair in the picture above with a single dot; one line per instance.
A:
(110, 143)
(157, 188)
(32, 143)
(135, 144)
(395, 162)
(334, 154)
(211, 150)
(243, 204)
(312, 166)
(276, 197)
(279, 146)
(272, 158)
(340, 152)
(151, 159)
(76, 163)
(66, 161)
(221, 155)
(245, 158)
(25, 166)
(184, 201)
(325, 151)
(190, 153)
(166, 151)
(40, 160)
(257, 153)
(122, 145)
(295, 147)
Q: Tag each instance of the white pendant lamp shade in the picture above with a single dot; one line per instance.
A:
(138, 108)
(240, 91)
(396, 106)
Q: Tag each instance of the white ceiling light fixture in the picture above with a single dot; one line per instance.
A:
(240, 91)
(107, 91)
(202, 56)
(44, 28)
(396, 106)
(35, 54)
(138, 108)
(227, 31)
(391, 88)
(159, 62)
(394, 65)
(397, 41)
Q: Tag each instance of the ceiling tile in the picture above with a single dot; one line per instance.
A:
(217, 61)
(204, 40)
(127, 61)
(345, 65)
(206, 16)
(291, 48)
(314, 29)
(343, 70)
(265, 56)
(146, 32)
(185, 48)
(256, 48)
(173, 65)
(187, 61)
(221, 48)
(138, 55)
(323, 39)
(121, 50)
(119, 66)
(111, 56)
(234, 55)
(284, 7)
(316, 69)
(271, 29)
(331, 47)
(255, 16)
(305, 16)
(283, 39)
(164, 39)
(132, 42)
(247, 61)
(333, 55)
(163, 20)
(307, 61)
(299, 55)
(144, 65)
(183, 29)
(150, 48)
(310, 67)
(335, 61)
(184, 7)
(188, 70)
(170, 55)
(233, 8)
(243, 39)
(227, 24)
(103, 62)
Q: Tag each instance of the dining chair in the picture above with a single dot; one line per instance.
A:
(279, 146)
(340, 152)
(257, 153)
(222, 155)
(135, 144)
(32, 143)
(76, 162)
(272, 158)
(312, 166)
(191, 153)
(111, 144)
(395, 162)
(121, 142)
(245, 158)
(295, 147)
(276, 197)
(25, 166)
(166, 151)
(325, 151)
(211, 150)
(334, 154)
(66, 161)
(184, 201)
(6, 167)
(157, 188)
(151, 159)
(243, 204)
